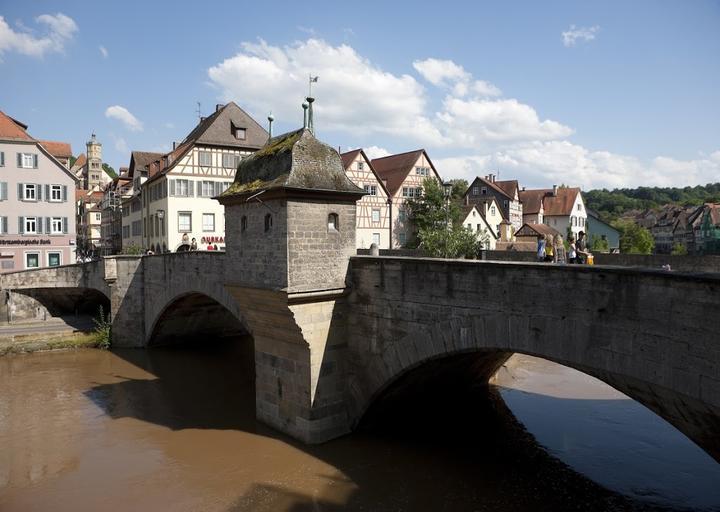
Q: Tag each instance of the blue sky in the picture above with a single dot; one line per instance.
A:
(596, 94)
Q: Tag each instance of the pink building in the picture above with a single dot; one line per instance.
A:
(37, 201)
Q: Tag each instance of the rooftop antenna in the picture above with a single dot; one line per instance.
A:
(270, 122)
(198, 111)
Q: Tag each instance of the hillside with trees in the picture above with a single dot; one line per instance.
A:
(614, 204)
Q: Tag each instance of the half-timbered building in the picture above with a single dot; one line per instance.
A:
(176, 200)
(374, 209)
(403, 175)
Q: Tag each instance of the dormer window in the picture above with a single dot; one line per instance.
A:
(238, 132)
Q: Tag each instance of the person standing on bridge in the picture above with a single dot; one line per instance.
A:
(581, 248)
(572, 252)
(541, 248)
(560, 255)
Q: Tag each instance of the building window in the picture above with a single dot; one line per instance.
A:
(30, 225)
(205, 158)
(56, 194)
(243, 224)
(56, 225)
(370, 190)
(207, 189)
(27, 161)
(360, 166)
(230, 161)
(402, 215)
(3, 225)
(54, 259)
(239, 133)
(476, 191)
(32, 260)
(579, 207)
(478, 228)
(422, 171)
(505, 203)
(402, 238)
(376, 215)
(208, 222)
(126, 231)
(136, 228)
(492, 210)
(268, 222)
(333, 222)
(97, 217)
(29, 192)
(184, 222)
(484, 190)
(2, 159)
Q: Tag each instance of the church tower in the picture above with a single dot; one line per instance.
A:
(93, 175)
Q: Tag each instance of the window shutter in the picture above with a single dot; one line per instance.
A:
(20, 192)
(2, 158)
(47, 192)
(3, 225)
(3, 191)
(38, 225)
(191, 188)
(38, 191)
(21, 225)
(172, 187)
(47, 225)
(19, 159)
(65, 224)
(64, 193)
(217, 188)
(35, 161)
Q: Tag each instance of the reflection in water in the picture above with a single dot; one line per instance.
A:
(608, 437)
(175, 430)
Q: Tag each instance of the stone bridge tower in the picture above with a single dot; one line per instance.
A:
(290, 233)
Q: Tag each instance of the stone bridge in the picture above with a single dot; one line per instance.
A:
(407, 323)
(336, 334)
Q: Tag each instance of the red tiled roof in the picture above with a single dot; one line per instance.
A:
(532, 200)
(562, 203)
(536, 229)
(81, 160)
(57, 149)
(349, 157)
(395, 168)
(12, 129)
(509, 187)
(491, 184)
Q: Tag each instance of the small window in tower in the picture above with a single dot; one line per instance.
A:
(243, 224)
(268, 222)
(333, 222)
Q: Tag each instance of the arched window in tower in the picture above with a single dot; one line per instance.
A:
(243, 224)
(333, 222)
(268, 222)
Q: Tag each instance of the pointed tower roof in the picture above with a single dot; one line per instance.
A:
(295, 162)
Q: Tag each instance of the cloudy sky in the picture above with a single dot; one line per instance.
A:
(595, 94)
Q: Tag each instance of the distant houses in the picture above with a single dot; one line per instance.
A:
(691, 229)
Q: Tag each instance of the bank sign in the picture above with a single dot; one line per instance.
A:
(33, 241)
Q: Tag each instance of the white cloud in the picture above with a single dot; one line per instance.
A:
(373, 152)
(542, 164)
(121, 145)
(574, 34)
(123, 115)
(104, 52)
(448, 74)
(60, 30)
(354, 96)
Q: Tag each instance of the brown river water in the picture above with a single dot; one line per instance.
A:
(174, 430)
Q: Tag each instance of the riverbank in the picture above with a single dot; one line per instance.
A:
(56, 334)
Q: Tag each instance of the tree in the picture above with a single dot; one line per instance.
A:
(634, 239)
(599, 244)
(437, 220)
(459, 187)
(109, 170)
(133, 249)
(72, 161)
(679, 249)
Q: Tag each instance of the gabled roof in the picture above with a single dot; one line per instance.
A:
(79, 162)
(292, 161)
(349, 157)
(217, 129)
(57, 149)
(11, 129)
(531, 229)
(490, 184)
(395, 168)
(532, 200)
(553, 205)
(467, 209)
(510, 187)
(140, 160)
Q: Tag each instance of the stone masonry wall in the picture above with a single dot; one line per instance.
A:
(650, 334)
(318, 255)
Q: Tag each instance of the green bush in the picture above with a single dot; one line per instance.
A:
(103, 330)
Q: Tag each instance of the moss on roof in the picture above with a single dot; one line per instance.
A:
(293, 160)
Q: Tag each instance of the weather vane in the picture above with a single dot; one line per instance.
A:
(312, 79)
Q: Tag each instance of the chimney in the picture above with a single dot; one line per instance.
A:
(554, 190)
(523, 189)
(202, 118)
(218, 106)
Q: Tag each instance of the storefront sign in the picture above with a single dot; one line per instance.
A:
(31, 241)
(212, 240)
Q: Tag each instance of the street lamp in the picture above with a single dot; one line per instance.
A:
(447, 186)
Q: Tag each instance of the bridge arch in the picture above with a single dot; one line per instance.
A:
(642, 333)
(193, 315)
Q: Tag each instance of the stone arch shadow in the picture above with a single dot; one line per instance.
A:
(422, 362)
(191, 316)
(66, 302)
